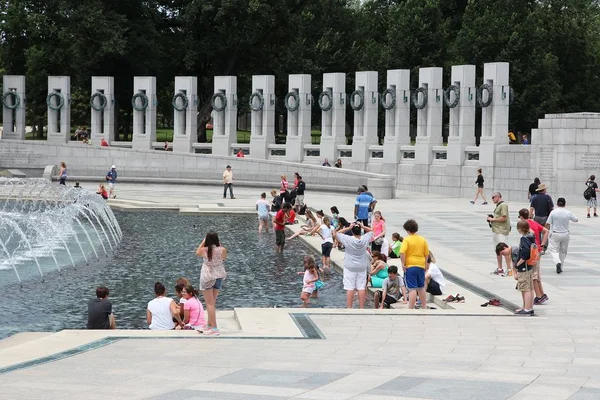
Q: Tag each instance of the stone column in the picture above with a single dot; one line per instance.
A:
(298, 123)
(262, 130)
(103, 117)
(429, 118)
(462, 116)
(397, 119)
(333, 121)
(494, 118)
(144, 120)
(224, 121)
(365, 119)
(59, 119)
(13, 119)
(185, 122)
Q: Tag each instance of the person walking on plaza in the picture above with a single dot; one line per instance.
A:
(356, 261)
(541, 240)
(533, 189)
(212, 276)
(592, 189)
(500, 224)
(283, 189)
(479, 182)
(414, 254)
(558, 225)
(63, 173)
(228, 182)
(111, 178)
(362, 205)
(541, 205)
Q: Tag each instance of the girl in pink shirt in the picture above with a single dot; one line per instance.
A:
(193, 312)
(308, 283)
(378, 231)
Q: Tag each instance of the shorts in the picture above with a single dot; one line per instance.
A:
(111, 185)
(388, 299)
(218, 284)
(279, 238)
(263, 217)
(500, 238)
(300, 200)
(541, 220)
(308, 289)
(415, 278)
(592, 202)
(434, 288)
(524, 281)
(355, 280)
(535, 272)
(326, 249)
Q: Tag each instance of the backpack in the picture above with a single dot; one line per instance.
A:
(302, 210)
(587, 194)
(534, 255)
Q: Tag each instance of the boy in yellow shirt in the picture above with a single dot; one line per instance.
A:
(413, 254)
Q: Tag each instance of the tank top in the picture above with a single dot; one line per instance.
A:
(212, 269)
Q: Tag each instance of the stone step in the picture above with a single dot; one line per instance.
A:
(21, 338)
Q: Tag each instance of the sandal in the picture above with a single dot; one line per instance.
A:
(450, 299)
(459, 298)
(485, 304)
(495, 302)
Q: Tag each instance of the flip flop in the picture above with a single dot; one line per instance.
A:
(485, 304)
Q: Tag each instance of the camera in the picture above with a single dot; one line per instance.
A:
(491, 216)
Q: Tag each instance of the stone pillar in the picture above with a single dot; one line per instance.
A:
(13, 119)
(144, 121)
(103, 119)
(397, 119)
(262, 130)
(59, 120)
(333, 121)
(462, 117)
(298, 123)
(225, 121)
(365, 119)
(494, 118)
(185, 122)
(429, 118)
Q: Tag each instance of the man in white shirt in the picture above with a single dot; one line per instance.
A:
(558, 225)
(228, 182)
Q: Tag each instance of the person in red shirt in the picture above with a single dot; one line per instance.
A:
(240, 153)
(103, 143)
(279, 221)
(291, 218)
(541, 240)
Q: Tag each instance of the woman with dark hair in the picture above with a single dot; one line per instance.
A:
(193, 312)
(533, 188)
(63, 173)
(591, 202)
(479, 182)
(283, 189)
(161, 310)
(212, 275)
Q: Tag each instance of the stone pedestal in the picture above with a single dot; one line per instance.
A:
(262, 130)
(333, 122)
(494, 118)
(298, 123)
(144, 122)
(365, 119)
(13, 120)
(462, 117)
(225, 122)
(397, 119)
(103, 121)
(185, 122)
(59, 121)
(429, 118)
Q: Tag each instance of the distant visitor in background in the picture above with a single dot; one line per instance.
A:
(533, 189)
(592, 189)
(166, 146)
(240, 153)
(275, 202)
(558, 224)
(362, 205)
(512, 139)
(100, 315)
(102, 192)
(300, 186)
(111, 178)
(212, 276)
(263, 207)
(338, 163)
(162, 310)
(283, 189)
(525, 139)
(228, 182)
(63, 173)
(479, 182)
(541, 205)
(103, 142)
(77, 186)
(326, 163)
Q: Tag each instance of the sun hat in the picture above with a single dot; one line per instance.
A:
(541, 187)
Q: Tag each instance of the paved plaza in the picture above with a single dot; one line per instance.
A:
(468, 352)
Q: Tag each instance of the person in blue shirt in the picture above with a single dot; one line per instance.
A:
(362, 205)
(111, 178)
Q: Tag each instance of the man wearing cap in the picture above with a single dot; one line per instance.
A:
(541, 205)
(500, 224)
(228, 182)
(558, 225)
(111, 178)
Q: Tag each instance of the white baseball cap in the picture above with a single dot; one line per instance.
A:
(113, 167)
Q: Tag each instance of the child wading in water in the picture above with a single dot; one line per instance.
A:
(309, 283)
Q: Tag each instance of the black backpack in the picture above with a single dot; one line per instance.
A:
(589, 192)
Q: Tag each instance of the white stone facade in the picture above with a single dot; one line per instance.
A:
(144, 121)
(13, 119)
(59, 120)
(103, 121)
(185, 122)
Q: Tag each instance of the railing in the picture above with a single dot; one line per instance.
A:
(376, 152)
(202, 148)
(276, 151)
(440, 155)
(236, 146)
(407, 154)
(472, 155)
(344, 152)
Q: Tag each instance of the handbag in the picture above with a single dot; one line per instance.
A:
(378, 241)
(319, 285)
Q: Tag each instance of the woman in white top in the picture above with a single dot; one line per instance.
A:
(325, 231)
(212, 275)
(161, 310)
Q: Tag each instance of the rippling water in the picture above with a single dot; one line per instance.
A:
(161, 247)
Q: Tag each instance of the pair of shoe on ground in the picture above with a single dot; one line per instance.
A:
(492, 302)
(595, 215)
(500, 272)
(483, 204)
(455, 299)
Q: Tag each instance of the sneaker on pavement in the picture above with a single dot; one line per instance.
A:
(536, 301)
(524, 312)
(212, 332)
(498, 272)
(472, 202)
(544, 298)
(484, 203)
(558, 268)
